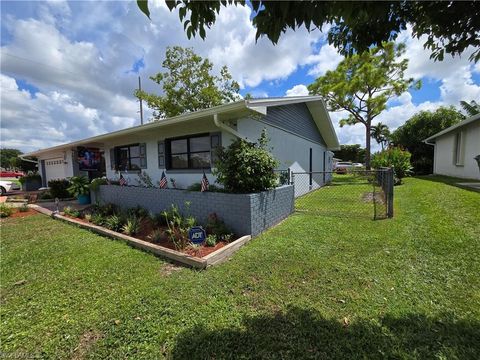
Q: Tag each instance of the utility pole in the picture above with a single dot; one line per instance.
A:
(141, 102)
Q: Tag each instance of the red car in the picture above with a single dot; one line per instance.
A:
(11, 174)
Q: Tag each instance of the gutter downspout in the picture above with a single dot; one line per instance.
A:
(227, 128)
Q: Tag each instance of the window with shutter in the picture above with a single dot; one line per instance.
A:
(215, 143)
(161, 154)
(112, 158)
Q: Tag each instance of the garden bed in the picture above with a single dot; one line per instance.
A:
(198, 256)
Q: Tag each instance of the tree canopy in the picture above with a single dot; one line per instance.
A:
(362, 84)
(353, 153)
(188, 85)
(450, 27)
(471, 108)
(420, 126)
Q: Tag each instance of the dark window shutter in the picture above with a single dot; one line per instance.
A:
(143, 155)
(161, 154)
(215, 143)
(112, 158)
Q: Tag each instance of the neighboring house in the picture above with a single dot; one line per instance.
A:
(456, 149)
(300, 131)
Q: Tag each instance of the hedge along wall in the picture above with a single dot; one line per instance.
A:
(245, 214)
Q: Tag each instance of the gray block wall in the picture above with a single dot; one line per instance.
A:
(245, 214)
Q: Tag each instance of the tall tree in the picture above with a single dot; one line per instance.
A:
(188, 85)
(420, 126)
(362, 84)
(471, 108)
(8, 156)
(353, 153)
(381, 134)
(449, 26)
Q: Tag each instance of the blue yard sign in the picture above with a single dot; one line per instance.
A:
(197, 235)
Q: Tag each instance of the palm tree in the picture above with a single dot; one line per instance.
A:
(381, 134)
(471, 108)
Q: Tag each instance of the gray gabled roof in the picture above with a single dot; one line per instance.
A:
(453, 127)
(314, 103)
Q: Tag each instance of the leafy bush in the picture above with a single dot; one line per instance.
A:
(138, 212)
(144, 180)
(67, 210)
(132, 226)
(246, 167)
(5, 210)
(46, 195)
(30, 177)
(216, 226)
(23, 208)
(88, 217)
(178, 226)
(114, 222)
(106, 210)
(97, 219)
(79, 186)
(158, 219)
(59, 188)
(95, 183)
(198, 187)
(394, 157)
(211, 240)
(155, 236)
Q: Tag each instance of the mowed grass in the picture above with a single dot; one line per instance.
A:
(312, 287)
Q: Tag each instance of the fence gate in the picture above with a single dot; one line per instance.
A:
(358, 193)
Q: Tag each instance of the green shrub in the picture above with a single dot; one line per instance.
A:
(396, 158)
(211, 240)
(79, 186)
(30, 177)
(58, 188)
(138, 212)
(178, 226)
(113, 222)
(5, 210)
(23, 208)
(132, 226)
(97, 219)
(198, 187)
(67, 210)
(95, 183)
(246, 167)
(156, 236)
(106, 210)
(46, 195)
(216, 226)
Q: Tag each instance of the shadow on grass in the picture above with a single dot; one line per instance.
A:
(453, 181)
(304, 334)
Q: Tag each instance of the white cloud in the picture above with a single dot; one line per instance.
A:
(297, 90)
(327, 59)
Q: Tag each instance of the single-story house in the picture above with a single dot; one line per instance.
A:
(300, 131)
(457, 149)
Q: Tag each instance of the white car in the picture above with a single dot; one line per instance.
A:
(8, 185)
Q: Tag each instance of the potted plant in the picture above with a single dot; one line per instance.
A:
(79, 187)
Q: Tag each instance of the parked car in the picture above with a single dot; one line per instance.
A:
(342, 167)
(6, 186)
(11, 174)
(357, 165)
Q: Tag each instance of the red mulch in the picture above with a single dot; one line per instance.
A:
(19, 214)
(146, 229)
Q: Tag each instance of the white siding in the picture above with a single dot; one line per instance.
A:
(445, 153)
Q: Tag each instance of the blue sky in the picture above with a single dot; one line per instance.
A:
(69, 69)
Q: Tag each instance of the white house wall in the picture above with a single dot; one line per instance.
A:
(293, 152)
(444, 153)
(183, 178)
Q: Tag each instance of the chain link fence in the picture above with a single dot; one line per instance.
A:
(358, 193)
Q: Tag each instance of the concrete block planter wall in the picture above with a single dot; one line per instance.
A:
(245, 214)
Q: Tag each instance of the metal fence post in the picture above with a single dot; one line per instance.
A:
(390, 193)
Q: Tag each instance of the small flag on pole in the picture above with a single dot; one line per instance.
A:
(163, 181)
(122, 181)
(174, 183)
(205, 183)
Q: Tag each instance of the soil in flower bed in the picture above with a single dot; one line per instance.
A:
(19, 214)
(146, 229)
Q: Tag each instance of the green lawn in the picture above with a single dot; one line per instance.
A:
(312, 287)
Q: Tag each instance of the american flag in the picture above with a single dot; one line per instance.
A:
(163, 181)
(205, 183)
(174, 183)
(122, 181)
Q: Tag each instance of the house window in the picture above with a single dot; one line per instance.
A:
(459, 149)
(189, 152)
(130, 157)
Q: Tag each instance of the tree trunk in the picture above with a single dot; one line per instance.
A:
(367, 145)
